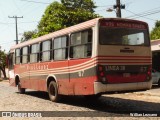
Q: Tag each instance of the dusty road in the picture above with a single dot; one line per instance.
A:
(111, 104)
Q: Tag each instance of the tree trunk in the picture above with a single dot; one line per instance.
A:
(4, 73)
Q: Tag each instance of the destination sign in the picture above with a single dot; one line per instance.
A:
(123, 24)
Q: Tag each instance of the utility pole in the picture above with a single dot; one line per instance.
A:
(118, 8)
(16, 27)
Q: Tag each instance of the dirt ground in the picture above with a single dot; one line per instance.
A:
(111, 106)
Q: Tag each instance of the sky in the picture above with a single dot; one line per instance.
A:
(32, 11)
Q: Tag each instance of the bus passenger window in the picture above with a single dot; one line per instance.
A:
(24, 54)
(60, 49)
(11, 61)
(18, 56)
(46, 50)
(34, 53)
(82, 48)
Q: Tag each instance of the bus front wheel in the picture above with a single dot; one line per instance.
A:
(20, 89)
(53, 91)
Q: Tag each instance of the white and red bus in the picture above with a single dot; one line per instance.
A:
(95, 57)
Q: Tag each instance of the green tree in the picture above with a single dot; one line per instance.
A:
(83, 4)
(155, 33)
(28, 35)
(61, 15)
(52, 19)
(3, 64)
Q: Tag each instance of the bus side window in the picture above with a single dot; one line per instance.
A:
(60, 48)
(34, 53)
(46, 50)
(25, 52)
(18, 56)
(81, 44)
(14, 58)
(10, 61)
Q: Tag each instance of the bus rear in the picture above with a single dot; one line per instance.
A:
(123, 56)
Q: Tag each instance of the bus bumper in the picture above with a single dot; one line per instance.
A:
(102, 88)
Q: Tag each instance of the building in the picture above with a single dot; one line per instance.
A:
(155, 47)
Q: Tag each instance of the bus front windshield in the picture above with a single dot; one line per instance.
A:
(123, 36)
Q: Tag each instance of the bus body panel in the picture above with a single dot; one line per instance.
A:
(104, 88)
(11, 78)
(77, 79)
(118, 64)
(38, 72)
(82, 74)
(122, 66)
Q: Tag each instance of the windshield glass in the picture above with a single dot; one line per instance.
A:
(123, 36)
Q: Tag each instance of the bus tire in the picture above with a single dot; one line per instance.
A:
(53, 91)
(159, 82)
(20, 89)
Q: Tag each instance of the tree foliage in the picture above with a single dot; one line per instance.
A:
(80, 4)
(3, 64)
(61, 15)
(28, 35)
(155, 33)
(67, 13)
(51, 20)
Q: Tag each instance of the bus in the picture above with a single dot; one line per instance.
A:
(91, 58)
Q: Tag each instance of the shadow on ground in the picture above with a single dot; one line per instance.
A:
(106, 104)
(154, 86)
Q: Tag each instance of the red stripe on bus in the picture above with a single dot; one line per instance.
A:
(122, 62)
(128, 59)
(125, 56)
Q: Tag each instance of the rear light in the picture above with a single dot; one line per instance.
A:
(100, 68)
(101, 74)
(149, 73)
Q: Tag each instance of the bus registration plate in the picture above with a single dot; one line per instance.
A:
(126, 74)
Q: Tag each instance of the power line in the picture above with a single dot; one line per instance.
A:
(30, 22)
(100, 10)
(139, 15)
(20, 22)
(103, 6)
(144, 14)
(16, 6)
(35, 2)
(152, 13)
(6, 43)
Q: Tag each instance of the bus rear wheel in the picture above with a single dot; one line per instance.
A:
(20, 89)
(53, 91)
(159, 82)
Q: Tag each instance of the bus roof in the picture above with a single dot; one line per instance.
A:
(155, 42)
(65, 31)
